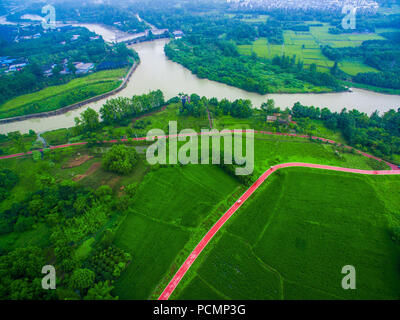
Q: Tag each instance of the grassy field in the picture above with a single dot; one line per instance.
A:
(291, 240)
(56, 97)
(307, 47)
(162, 220)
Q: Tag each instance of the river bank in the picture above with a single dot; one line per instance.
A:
(75, 105)
(156, 71)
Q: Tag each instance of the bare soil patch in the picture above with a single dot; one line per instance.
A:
(78, 161)
(93, 168)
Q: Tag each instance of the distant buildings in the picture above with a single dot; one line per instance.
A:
(83, 68)
(178, 34)
(281, 118)
(326, 5)
(11, 65)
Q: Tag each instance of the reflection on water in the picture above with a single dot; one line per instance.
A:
(157, 72)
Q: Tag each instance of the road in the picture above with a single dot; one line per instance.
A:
(211, 233)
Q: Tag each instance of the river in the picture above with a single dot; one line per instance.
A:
(157, 72)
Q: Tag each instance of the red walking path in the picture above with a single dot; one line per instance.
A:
(392, 166)
(210, 234)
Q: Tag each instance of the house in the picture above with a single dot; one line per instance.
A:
(281, 118)
(82, 68)
(17, 67)
(48, 73)
(48, 70)
(75, 37)
(178, 34)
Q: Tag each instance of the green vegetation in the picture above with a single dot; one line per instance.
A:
(220, 61)
(116, 226)
(120, 159)
(306, 36)
(162, 221)
(56, 97)
(43, 70)
(299, 250)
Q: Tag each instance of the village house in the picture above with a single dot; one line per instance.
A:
(82, 68)
(178, 34)
(281, 118)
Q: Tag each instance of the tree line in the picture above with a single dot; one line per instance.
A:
(379, 134)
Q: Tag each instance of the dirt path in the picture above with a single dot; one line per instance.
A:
(77, 162)
(93, 168)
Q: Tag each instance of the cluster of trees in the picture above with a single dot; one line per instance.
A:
(379, 134)
(108, 263)
(310, 75)
(51, 49)
(72, 213)
(272, 30)
(8, 180)
(120, 110)
(384, 55)
(198, 107)
(120, 159)
(20, 275)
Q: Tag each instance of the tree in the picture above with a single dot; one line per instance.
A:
(101, 291)
(120, 159)
(82, 279)
(269, 106)
(89, 121)
(71, 67)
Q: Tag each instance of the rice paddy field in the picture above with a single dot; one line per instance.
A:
(307, 47)
(175, 206)
(171, 204)
(291, 240)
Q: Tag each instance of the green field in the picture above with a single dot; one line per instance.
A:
(291, 240)
(307, 47)
(162, 221)
(56, 97)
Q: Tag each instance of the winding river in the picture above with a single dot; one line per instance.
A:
(157, 72)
